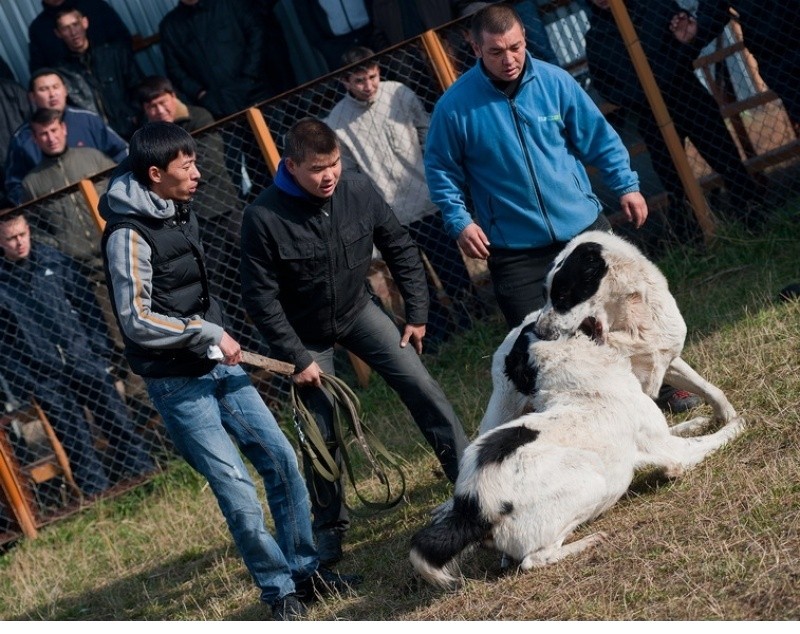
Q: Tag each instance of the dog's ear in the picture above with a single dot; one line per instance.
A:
(518, 367)
(579, 277)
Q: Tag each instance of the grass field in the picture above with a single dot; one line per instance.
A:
(722, 543)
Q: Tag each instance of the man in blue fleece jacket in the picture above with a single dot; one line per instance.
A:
(514, 132)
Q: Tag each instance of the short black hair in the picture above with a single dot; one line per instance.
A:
(152, 87)
(157, 144)
(495, 19)
(12, 212)
(41, 72)
(309, 136)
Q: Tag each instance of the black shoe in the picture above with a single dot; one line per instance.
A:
(673, 400)
(329, 546)
(325, 582)
(289, 608)
(790, 293)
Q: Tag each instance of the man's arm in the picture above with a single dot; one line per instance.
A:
(260, 292)
(131, 275)
(21, 159)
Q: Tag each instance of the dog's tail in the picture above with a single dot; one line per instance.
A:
(434, 548)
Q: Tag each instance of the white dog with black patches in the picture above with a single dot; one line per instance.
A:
(604, 286)
(524, 487)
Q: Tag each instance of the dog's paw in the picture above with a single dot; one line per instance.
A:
(691, 427)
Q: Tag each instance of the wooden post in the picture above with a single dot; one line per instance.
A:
(264, 138)
(13, 491)
(442, 66)
(692, 188)
(89, 192)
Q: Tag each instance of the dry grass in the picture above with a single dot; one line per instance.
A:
(722, 543)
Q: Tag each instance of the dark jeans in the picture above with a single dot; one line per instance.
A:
(375, 339)
(518, 276)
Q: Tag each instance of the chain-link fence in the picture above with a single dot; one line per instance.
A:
(715, 146)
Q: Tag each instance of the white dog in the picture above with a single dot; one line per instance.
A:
(604, 286)
(525, 486)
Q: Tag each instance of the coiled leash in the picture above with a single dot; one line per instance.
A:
(351, 435)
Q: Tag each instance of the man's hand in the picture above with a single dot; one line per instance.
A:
(309, 377)
(634, 208)
(473, 242)
(683, 27)
(414, 333)
(231, 350)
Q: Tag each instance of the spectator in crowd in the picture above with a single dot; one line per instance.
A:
(335, 27)
(514, 133)
(170, 323)
(49, 318)
(693, 110)
(382, 126)
(536, 40)
(109, 73)
(15, 109)
(48, 49)
(214, 53)
(394, 21)
(66, 218)
(217, 205)
(306, 248)
(47, 89)
(771, 30)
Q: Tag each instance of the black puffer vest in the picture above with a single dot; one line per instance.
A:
(180, 289)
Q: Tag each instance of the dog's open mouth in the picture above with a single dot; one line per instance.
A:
(592, 328)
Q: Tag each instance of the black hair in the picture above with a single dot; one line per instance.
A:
(358, 54)
(152, 87)
(46, 116)
(157, 144)
(495, 19)
(309, 136)
(41, 72)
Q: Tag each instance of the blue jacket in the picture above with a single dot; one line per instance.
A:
(49, 317)
(521, 158)
(84, 129)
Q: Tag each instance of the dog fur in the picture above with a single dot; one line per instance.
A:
(603, 285)
(525, 486)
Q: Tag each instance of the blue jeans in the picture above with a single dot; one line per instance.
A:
(375, 339)
(201, 415)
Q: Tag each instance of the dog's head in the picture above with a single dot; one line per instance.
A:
(573, 294)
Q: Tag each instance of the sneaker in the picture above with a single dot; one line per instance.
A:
(673, 400)
(289, 608)
(325, 582)
(790, 293)
(329, 546)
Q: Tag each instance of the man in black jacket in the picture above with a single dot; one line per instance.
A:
(306, 248)
(693, 110)
(214, 53)
(102, 77)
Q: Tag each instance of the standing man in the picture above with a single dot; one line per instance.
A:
(66, 218)
(382, 127)
(47, 89)
(306, 249)
(514, 131)
(159, 288)
(103, 77)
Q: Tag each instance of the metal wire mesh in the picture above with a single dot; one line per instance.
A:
(740, 139)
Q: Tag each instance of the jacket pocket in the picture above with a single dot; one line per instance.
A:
(357, 242)
(298, 259)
